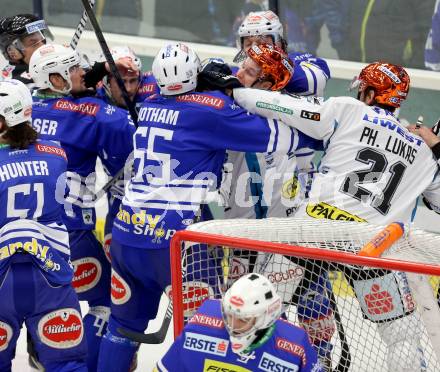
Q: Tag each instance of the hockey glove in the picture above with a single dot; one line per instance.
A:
(216, 75)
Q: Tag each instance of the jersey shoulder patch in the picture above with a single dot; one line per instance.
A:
(210, 100)
(50, 148)
(89, 107)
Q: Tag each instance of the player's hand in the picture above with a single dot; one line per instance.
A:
(124, 64)
(426, 133)
(216, 75)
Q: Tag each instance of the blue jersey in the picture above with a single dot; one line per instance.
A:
(147, 87)
(86, 128)
(179, 151)
(30, 215)
(204, 346)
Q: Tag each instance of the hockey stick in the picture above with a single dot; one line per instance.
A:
(81, 26)
(108, 56)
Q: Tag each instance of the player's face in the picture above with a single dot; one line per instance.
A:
(248, 73)
(239, 326)
(77, 78)
(29, 44)
(131, 83)
(249, 41)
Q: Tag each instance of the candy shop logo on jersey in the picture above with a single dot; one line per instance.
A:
(194, 294)
(90, 109)
(207, 321)
(61, 329)
(5, 335)
(271, 363)
(216, 366)
(202, 99)
(87, 272)
(273, 107)
(315, 116)
(120, 291)
(206, 344)
(291, 348)
(330, 212)
(51, 150)
(33, 247)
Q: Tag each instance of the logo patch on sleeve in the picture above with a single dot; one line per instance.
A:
(315, 116)
(5, 335)
(202, 99)
(51, 150)
(120, 291)
(61, 329)
(87, 272)
(292, 348)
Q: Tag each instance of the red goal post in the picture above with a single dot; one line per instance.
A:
(332, 242)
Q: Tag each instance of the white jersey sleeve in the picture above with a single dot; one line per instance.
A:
(431, 195)
(311, 115)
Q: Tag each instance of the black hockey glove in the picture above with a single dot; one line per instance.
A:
(216, 75)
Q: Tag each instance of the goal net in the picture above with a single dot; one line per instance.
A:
(360, 312)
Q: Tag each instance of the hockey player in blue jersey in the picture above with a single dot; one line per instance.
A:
(86, 128)
(242, 333)
(35, 268)
(179, 151)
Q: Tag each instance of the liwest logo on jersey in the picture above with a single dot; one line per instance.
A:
(271, 363)
(273, 107)
(216, 366)
(87, 108)
(61, 329)
(206, 344)
(330, 212)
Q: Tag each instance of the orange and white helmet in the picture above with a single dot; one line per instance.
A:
(390, 82)
(274, 63)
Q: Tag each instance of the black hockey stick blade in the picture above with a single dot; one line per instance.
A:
(151, 338)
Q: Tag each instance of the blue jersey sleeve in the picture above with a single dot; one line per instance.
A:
(171, 361)
(115, 138)
(312, 362)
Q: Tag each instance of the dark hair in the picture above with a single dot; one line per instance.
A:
(20, 136)
(381, 105)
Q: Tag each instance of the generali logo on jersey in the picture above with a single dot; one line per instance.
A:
(120, 291)
(86, 108)
(61, 329)
(202, 99)
(87, 272)
(51, 150)
(5, 335)
(207, 321)
(291, 348)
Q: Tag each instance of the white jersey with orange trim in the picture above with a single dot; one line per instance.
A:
(373, 169)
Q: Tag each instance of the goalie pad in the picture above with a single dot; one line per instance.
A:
(383, 296)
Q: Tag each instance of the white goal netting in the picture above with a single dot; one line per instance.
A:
(360, 316)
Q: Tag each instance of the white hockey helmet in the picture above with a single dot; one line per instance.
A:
(121, 52)
(260, 23)
(15, 102)
(175, 69)
(53, 59)
(251, 300)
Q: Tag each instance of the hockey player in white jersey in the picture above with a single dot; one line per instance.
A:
(373, 169)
